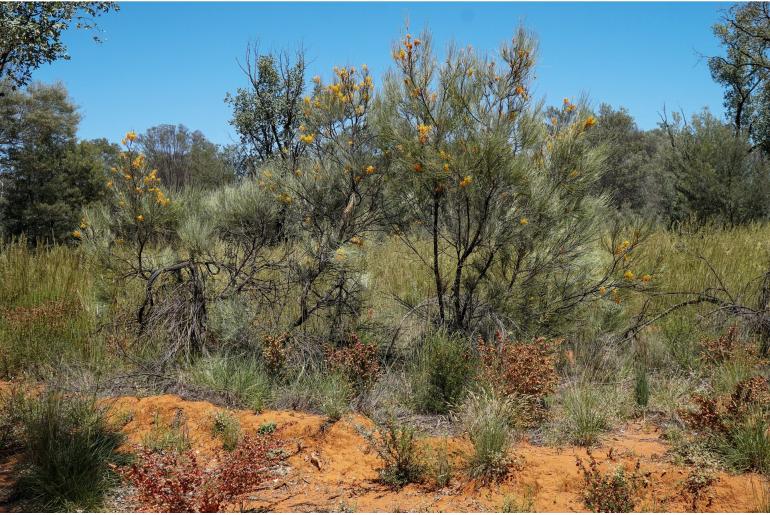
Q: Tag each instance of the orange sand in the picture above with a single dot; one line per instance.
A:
(331, 466)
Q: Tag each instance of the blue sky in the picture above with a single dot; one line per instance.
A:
(174, 62)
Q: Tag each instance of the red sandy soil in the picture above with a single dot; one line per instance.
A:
(333, 468)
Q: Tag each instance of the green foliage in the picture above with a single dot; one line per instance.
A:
(31, 35)
(241, 380)
(716, 175)
(69, 447)
(642, 387)
(747, 448)
(228, 429)
(586, 414)
(267, 114)
(488, 420)
(440, 466)
(335, 393)
(172, 436)
(396, 444)
(442, 370)
(267, 428)
(50, 177)
(184, 158)
(525, 504)
(46, 316)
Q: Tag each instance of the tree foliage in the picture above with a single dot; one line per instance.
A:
(31, 32)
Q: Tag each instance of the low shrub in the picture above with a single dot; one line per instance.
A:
(177, 482)
(696, 485)
(586, 414)
(443, 368)
(357, 361)
(69, 448)
(227, 428)
(615, 492)
(396, 444)
(525, 504)
(521, 369)
(441, 467)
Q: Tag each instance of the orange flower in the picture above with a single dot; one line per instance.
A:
(590, 122)
(466, 181)
(417, 167)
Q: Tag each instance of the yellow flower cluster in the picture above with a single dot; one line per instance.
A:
(307, 139)
(466, 181)
(404, 53)
(523, 221)
(370, 170)
(423, 132)
(590, 122)
(357, 241)
(129, 138)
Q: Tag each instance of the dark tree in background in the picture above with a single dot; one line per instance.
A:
(185, 158)
(30, 35)
(47, 175)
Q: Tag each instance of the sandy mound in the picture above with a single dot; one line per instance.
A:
(331, 466)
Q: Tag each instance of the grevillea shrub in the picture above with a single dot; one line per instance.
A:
(178, 482)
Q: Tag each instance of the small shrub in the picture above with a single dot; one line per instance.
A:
(177, 482)
(615, 492)
(274, 352)
(11, 429)
(168, 437)
(641, 387)
(513, 504)
(228, 429)
(442, 370)
(696, 484)
(521, 369)
(267, 428)
(69, 449)
(335, 394)
(488, 420)
(357, 361)
(747, 447)
(241, 380)
(441, 467)
(396, 445)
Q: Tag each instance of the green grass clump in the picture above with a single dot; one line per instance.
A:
(243, 381)
(525, 504)
(441, 372)
(227, 428)
(167, 437)
(488, 419)
(586, 414)
(747, 447)
(69, 446)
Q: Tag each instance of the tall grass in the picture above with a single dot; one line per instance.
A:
(47, 309)
(69, 446)
(242, 380)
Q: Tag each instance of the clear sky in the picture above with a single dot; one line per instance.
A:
(174, 62)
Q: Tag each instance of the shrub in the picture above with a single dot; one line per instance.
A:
(513, 504)
(616, 492)
(241, 380)
(168, 437)
(521, 369)
(396, 445)
(227, 428)
(357, 361)
(442, 370)
(177, 482)
(697, 482)
(267, 428)
(747, 446)
(441, 467)
(641, 387)
(69, 448)
(488, 419)
(335, 394)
